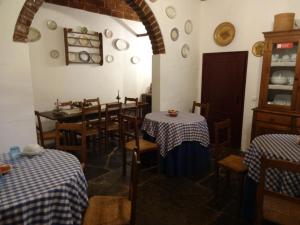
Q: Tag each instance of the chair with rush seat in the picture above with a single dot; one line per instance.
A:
(272, 206)
(115, 210)
(42, 135)
(204, 108)
(232, 163)
(131, 139)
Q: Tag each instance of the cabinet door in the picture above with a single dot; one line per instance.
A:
(280, 73)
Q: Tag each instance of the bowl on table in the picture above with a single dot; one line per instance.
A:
(5, 168)
(172, 113)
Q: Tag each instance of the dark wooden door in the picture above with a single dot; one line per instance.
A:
(223, 86)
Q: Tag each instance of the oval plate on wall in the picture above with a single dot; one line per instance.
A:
(224, 34)
(174, 34)
(121, 44)
(258, 48)
(34, 35)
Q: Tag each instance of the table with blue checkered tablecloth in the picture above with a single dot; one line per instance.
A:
(45, 189)
(272, 146)
(183, 141)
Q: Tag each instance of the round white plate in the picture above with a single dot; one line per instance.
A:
(54, 54)
(174, 34)
(121, 45)
(171, 12)
(84, 56)
(34, 34)
(135, 60)
(108, 33)
(185, 51)
(84, 41)
(96, 58)
(95, 43)
(188, 27)
(51, 24)
(72, 57)
(72, 41)
(109, 58)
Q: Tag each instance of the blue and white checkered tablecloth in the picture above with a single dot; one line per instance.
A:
(275, 146)
(170, 132)
(47, 189)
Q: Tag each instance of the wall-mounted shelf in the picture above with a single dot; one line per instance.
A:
(83, 48)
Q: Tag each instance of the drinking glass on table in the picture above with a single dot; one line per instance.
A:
(14, 154)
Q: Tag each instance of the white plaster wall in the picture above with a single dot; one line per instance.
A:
(17, 125)
(52, 79)
(250, 18)
(176, 77)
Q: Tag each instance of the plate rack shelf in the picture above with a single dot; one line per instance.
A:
(83, 48)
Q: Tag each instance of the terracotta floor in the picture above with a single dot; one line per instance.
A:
(163, 200)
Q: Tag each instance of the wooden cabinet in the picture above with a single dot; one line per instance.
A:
(279, 100)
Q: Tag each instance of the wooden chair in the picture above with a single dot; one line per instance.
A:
(112, 119)
(273, 206)
(66, 104)
(204, 108)
(113, 210)
(135, 110)
(93, 124)
(231, 163)
(42, 135)
(66, 138)
(129, 129)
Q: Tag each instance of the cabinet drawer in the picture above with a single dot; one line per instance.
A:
(276, 119)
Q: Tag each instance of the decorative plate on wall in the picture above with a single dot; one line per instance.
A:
(84, 41)
(153, 0)
(258, 48)
(135, 60)
(96, 58)
(109, 58)
(84, 56)
(51, 24)
(95, 43)
(108, 33)
(185, 50)
(171, 12)
(34, 35)
(54, 54)
(84, 30)
(174, 34)
(121, 44)
(188, 27)
(224, 34)
(72, 56)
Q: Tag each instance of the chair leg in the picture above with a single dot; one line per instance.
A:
(217, 179)
(124, 162)
(158, 161)
(241, 194)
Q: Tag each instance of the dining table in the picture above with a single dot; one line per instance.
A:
(74, 114)
(183, 141)
(44, 189)
(277, 147)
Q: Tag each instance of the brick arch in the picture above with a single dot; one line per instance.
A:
(141, 8)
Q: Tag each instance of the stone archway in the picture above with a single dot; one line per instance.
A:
(141, 8)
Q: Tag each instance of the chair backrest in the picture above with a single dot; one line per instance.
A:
(129, 128)
(134, 185)
(133, 110)
(39, 129)
(89, 107)
(204, 108)
(262, 192)
(112, 112)
(132, 100)
(66, 138)
(64, 104)
(222, 133)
